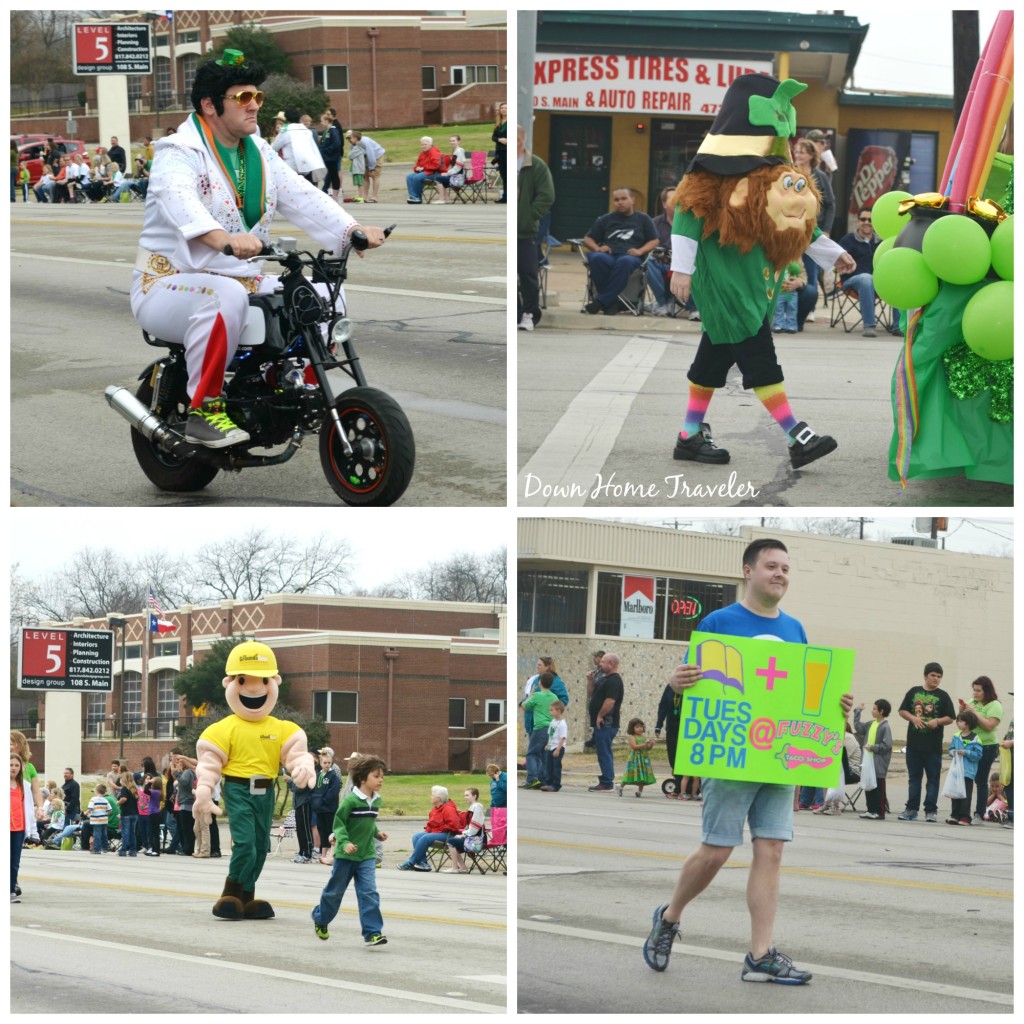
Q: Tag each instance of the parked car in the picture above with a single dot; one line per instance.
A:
(30, 154)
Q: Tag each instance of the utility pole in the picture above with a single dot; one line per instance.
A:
(966, 51)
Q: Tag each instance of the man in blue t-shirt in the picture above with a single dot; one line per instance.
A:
(766, 807)
(618, 242)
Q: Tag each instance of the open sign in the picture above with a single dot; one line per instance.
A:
(686, 607)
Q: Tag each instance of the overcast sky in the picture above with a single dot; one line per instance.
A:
(386, 542)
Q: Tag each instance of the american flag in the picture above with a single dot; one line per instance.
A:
(154, 603)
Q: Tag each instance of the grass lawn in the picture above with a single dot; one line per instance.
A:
(403, 144)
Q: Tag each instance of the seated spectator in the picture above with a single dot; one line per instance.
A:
(618, 242)
(44, 187)
(55, 820)
(78, 176)
(428, 166)
(455, 174)
(474, 827)
(138, 182)
(996, 808)
(659, 269)
(861, 245)
(60, 180)
(443, 821)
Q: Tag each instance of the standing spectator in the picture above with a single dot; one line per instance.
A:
(554, 752)
(19, 746)
(1007, 745)
(23, 819)
(72, 797)
(326, 798)
(374, 162)
(357, 167)
(794, 278)
(985, 704)
(966, 746)
(669, 708)
(928, 710)
(15, 167)
(604, 717)
(825, 155)
(767, 807)
(538, 704)
(185, 786)
(638, 767)
(99, 814)
(861, 245)
(536, 196)
(877, 739)
(426, 168)
(805, 156)
(302, 801)
(114, 776)
(24, 178)
(128, 799)
(500, 139)
(618, 242)
(593, 678)
(158, 815)
(147, 150)
(499, 786)
(332, 147)
(117, 154)
(297, 146)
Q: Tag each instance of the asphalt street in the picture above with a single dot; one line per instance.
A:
(112, 934)
(430, 315)
(890, 917)
(601, 400)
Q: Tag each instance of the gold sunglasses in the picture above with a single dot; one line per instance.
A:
(243, 99)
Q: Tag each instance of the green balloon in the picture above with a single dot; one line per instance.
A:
(883, 247)
(902, 279)
(885, 214)
(957, 249)
(988, 321)
(1002, 249)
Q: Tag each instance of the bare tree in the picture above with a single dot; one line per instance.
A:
(477, 578)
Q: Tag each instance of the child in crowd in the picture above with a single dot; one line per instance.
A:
(877, 739)
(638, 768)
(997, 807)
(474, 827)
(966, 745)
(357, 165)
(355, 827)
(793, 280)
(98, 811)
(23, 819)
(56, 822)
(539, 703)
(554, 752)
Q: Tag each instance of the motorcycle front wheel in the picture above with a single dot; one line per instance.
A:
(384, 453)
(164, 470)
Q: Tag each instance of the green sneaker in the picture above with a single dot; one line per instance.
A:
(210, 426)
(321, 933)
(376, 940)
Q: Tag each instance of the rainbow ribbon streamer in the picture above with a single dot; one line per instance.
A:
(907, 412)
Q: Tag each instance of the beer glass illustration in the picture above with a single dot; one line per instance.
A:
(817, 664)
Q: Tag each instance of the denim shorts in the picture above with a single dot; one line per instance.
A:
(766, 806)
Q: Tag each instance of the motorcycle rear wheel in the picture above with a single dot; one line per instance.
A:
(167, 472)
(385, 453)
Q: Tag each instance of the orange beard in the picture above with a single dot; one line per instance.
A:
(707, 195)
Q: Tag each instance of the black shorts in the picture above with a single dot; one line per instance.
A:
(755, 356)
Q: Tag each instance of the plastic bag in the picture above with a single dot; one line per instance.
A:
(474, 844)
(868, 779)
(955, 788)
(835, 794)
(1005, 766)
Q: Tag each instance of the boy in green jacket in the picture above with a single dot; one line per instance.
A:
(355, 826)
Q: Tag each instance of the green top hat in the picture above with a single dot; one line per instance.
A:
(751, 129)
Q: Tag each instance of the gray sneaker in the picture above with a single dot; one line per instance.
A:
(658, 947)
(210, 426)
(933, 818)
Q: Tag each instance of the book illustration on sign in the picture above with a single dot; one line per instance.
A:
(722, 663)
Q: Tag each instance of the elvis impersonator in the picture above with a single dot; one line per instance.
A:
(216, 182)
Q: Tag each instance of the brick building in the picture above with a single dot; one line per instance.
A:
(422, 683)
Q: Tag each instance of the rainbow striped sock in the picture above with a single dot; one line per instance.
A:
(773, 398)
(700, 399)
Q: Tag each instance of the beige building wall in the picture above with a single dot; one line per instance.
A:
(898, 607)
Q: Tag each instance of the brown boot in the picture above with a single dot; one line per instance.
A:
(229, 906)
(254, 909)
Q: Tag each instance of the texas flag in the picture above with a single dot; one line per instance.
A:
(160, 625)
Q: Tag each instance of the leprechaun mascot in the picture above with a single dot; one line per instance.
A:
(743, 213)
(245, 750)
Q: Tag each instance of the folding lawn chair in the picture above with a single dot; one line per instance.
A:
(286, 830)
(632, 298)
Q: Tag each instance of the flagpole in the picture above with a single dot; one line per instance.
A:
(144, 696)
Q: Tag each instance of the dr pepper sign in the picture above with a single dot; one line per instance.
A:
(764, 711)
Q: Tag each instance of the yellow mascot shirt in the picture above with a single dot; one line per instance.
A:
(252, 748)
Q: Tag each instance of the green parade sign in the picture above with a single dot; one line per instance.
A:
(763, 711)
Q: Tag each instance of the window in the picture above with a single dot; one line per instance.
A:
(551, 601)
(494, 711)
(95, 711)
(165, 648)
(467, 74)
(132, 651)
(188, 37)
(456, 712)
(338, 707)
(331, 77)
(166, 703)
(134, 92)
(189, 64)
(679, 605)
(132, 684)
(429, 78)
(163, 82)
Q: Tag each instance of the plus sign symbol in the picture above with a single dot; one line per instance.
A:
(771, 673)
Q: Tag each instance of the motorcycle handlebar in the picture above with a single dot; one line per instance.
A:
(359, 242)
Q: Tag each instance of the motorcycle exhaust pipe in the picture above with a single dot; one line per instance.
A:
(144, 420)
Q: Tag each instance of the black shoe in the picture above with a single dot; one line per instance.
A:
(700, 448)
(808, 446)
(613, 310)
(593, 307)
(589, 745)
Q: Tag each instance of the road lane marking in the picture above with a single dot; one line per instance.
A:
(861, 977)
(360, 288)
(306, 979)
(574, 452)
(899, 883)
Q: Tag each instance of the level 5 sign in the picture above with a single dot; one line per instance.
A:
(66, 659)
(117, 48)
(764, 711)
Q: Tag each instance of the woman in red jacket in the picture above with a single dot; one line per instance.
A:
(444, 820)
(428, 165)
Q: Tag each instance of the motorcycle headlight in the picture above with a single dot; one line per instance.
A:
(341, 330)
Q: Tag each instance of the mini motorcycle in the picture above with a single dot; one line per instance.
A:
(277, 389)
